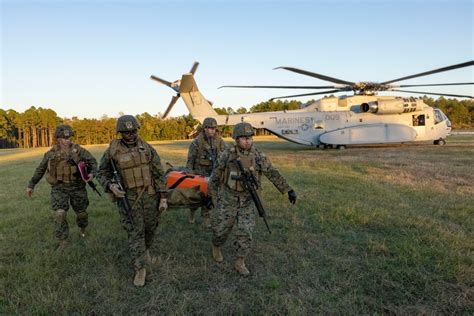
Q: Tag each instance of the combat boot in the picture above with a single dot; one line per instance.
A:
(62, 245)
(140, 276)
(151, 260)
(207, 222)
(82, 233)
(240, 267)
(217, 254)
(191, 216)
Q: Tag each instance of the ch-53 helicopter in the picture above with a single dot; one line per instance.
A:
(361, 118)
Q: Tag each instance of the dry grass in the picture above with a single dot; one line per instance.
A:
(376, 230)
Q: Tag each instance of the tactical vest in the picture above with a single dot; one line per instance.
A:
(205, 154)
(232, 172)
(134, 163)
(60, 168)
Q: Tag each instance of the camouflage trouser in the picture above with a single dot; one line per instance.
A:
(232, 207)
(61, 196)
(146, 218)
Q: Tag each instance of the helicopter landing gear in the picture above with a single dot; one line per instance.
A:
(440, 142)
(330, 146)
(324, 146)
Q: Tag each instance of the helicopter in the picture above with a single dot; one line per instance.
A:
(363, 118)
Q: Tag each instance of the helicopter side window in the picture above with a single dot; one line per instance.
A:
(318, 125)
(438, 117)
(419, 120)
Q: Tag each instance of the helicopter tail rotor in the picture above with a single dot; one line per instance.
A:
(175, 85)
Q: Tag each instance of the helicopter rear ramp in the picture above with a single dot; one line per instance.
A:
(369, 134)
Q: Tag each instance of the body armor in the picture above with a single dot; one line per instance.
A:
(232, 172)
(60, 169)
(206, 154)
(134, 163)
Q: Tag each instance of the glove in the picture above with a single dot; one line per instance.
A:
(114, 187)
(292, 196)
(163, 205)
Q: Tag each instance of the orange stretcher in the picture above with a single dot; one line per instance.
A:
(183, 180)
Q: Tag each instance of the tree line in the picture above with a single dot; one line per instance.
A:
(35, 126)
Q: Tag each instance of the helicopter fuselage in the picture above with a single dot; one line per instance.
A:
(350, 121)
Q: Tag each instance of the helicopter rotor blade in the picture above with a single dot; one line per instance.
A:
(307, 94)
(316, 75)
(432, 85)
(283, 87)
(163, 81)
(433, 93)
(194, 67)
(170, 106)
(426, 73)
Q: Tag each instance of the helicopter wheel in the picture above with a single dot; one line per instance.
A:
(322, 146)
(440, 142)
(341, 147)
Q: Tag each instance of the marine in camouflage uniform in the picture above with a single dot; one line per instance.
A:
(143, 185)
(67, 187)
(203, 153)
(235, 205)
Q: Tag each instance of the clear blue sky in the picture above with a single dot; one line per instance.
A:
(89, 58)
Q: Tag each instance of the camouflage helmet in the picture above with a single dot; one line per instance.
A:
(127, 123)
(209, 122)
(242, 129)
(63, 131)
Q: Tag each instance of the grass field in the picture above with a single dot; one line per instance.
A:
(385, 229)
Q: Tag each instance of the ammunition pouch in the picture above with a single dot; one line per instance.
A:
(51, 179)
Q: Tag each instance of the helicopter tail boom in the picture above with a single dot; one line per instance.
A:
(196, 103)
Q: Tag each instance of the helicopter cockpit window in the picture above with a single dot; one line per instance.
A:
(438, 116)
(419, 120)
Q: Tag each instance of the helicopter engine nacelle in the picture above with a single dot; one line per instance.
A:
(396, 106)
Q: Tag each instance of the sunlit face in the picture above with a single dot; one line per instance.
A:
(210, 131)
(130, 136)
(65, 142)
(245, 142)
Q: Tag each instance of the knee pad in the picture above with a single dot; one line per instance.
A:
(60, 216)
(82, 215)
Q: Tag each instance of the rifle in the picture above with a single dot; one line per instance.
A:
(250, 185)
(82, 169)
(124, 200)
